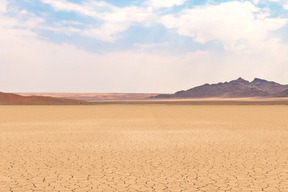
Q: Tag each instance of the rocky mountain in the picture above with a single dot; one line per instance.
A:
(14, 99)
(238, 88)
(283, 94)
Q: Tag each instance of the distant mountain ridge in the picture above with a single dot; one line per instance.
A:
(238, 88)
(14, 99)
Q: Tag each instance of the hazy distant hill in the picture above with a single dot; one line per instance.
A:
(233, 89)
(14, 99)
(90, 97)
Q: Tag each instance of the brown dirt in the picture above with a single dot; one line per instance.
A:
(144, 148)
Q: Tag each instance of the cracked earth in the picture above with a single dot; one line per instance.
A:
(144, 148)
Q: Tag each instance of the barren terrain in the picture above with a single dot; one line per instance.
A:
(144, 147)
(14, 99)
(94, 96)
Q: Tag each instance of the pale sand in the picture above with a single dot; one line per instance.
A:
(144, 148)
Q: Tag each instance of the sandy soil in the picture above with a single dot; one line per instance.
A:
(144, 148)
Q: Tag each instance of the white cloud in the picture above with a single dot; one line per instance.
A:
(3, 6)
(229, 22)
(87, 9)
(115, 20)
(256, 1)
(107, 32)
(118, 21)
(150, 45)
(30, 64)
(28, 20)
(157, 4)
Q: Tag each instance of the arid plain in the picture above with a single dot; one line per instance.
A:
(144, 147)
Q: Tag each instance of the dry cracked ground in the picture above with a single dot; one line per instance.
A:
(144, 148)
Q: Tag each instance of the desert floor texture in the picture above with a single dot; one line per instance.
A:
(144, 148)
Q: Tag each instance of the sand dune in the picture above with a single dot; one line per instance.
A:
(14, 99)
(144, 148)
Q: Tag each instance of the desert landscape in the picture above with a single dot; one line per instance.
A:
(144, 147)
(143, 96)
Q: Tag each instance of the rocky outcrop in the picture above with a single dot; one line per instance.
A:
(238, 88)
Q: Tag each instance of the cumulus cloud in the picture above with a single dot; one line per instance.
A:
(157, 4)
(43, 67)
(3, 5)
(118, 21)
(115, 20)
(29, 63)
(107, 32)
(88, 8)
(229, 22)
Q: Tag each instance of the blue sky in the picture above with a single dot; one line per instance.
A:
(139, 46)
